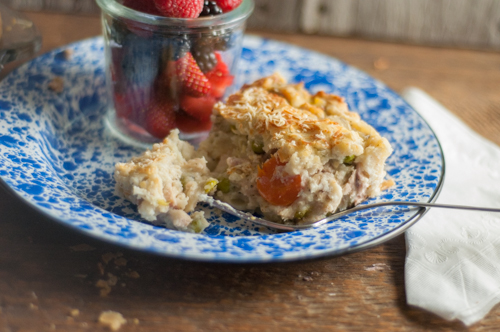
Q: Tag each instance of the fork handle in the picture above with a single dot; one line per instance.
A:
(390, 203)
(286, 227)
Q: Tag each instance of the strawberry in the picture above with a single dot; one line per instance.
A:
(221, 65)
(180, 8)
(188, 124)
(219, 77)
(228, 5)
(199, 108)
(219, 83)
(160, 118)
(191, 78)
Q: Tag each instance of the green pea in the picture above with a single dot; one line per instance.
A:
(258, 148)
(349, 159)
(300, 214)
(224, 185)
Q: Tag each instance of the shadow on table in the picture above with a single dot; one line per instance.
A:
(48, 269)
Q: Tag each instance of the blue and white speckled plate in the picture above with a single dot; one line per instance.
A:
(57, 154)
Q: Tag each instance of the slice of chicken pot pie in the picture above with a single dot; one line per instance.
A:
(292, 155)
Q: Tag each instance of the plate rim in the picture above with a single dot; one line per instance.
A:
(375, 241)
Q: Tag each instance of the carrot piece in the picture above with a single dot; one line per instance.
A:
(277, 188)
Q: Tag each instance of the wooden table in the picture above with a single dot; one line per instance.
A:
(48, 272)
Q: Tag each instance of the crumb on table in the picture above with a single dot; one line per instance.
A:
(112, 319)
(74, 312)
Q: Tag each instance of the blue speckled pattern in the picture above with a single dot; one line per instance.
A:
(57, 154)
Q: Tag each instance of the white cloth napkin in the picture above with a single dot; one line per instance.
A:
(453, 256)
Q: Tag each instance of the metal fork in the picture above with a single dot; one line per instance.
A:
(290, 227)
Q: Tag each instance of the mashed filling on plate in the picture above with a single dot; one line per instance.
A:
(274, 149)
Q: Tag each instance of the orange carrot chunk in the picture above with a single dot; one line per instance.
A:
(277, 188)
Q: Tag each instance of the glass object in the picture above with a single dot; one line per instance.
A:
(165, 73)
(19, 38)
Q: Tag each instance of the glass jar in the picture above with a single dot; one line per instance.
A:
(164, 73)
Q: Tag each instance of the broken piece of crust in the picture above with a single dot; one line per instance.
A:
(165, 183)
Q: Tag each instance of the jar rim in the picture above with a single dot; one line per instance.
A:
(237, 15)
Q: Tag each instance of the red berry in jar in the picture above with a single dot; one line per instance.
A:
(199, 108)
(180, 8)
(166, 74)
(191, 78)
(160, 118)
(188, 124)
(228, 5)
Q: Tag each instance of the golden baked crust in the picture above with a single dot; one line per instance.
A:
(288, 118)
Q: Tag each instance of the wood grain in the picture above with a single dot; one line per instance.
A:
(281, 15)
(62, 6)
(46, 273)
(464, 23)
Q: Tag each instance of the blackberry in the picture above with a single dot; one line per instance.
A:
(210, 8)
(204, 56)
(204, 47)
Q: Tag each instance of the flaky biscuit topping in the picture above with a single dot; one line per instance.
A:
(288, 118)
